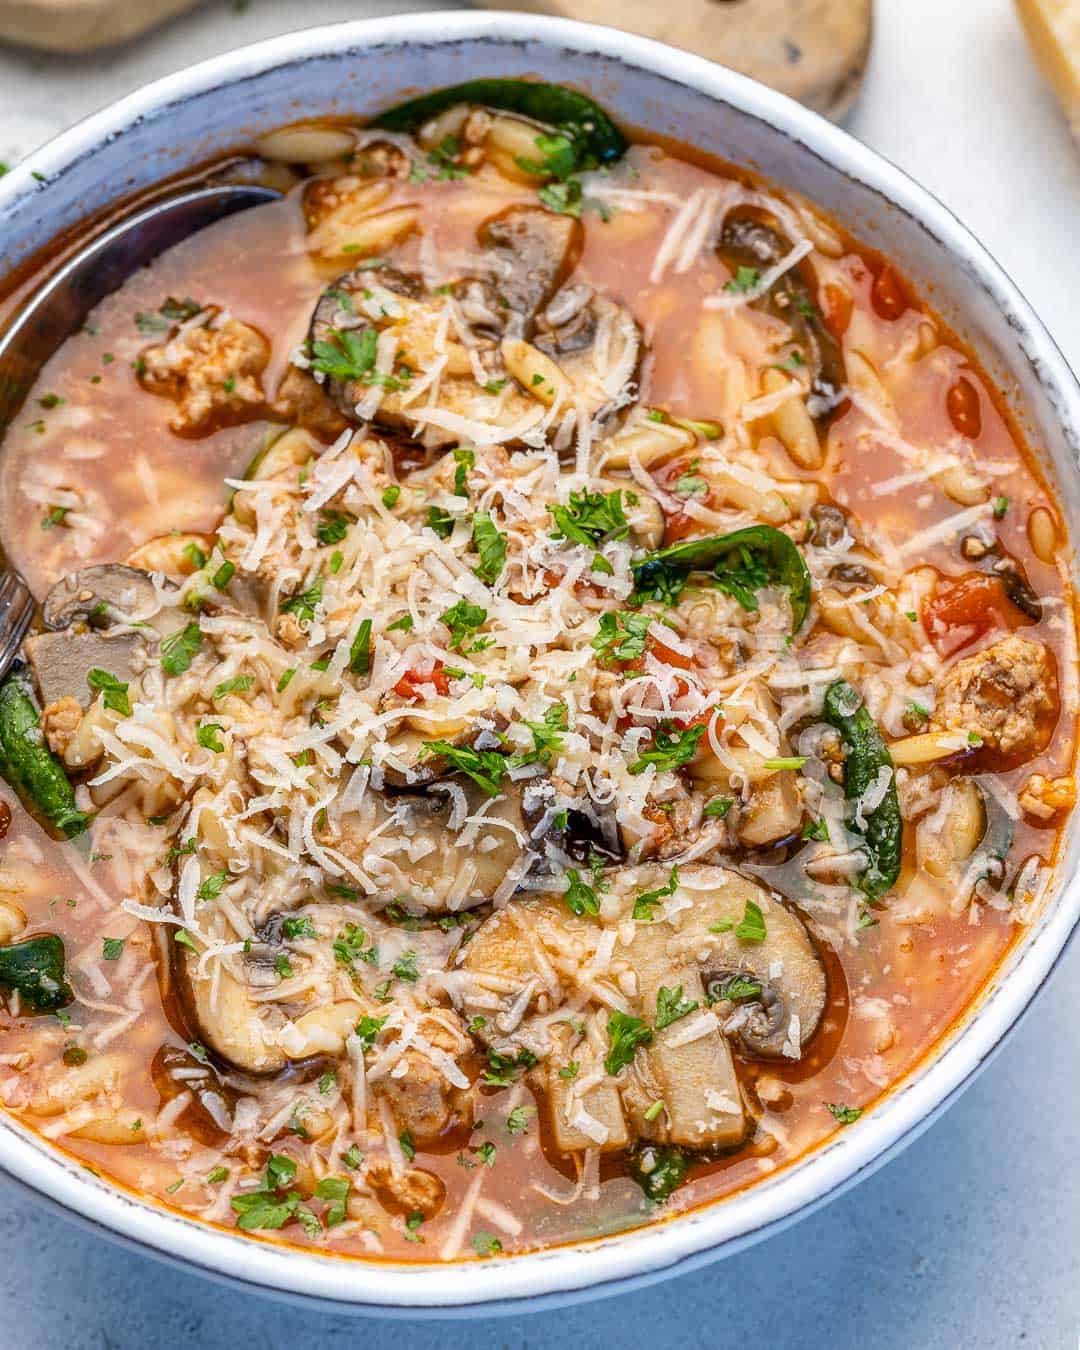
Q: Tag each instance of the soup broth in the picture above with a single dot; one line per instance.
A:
(567, 684)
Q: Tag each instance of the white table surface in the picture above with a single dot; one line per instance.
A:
(972, 1238)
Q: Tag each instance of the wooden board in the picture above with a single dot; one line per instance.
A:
(813, 50)
(82, 25)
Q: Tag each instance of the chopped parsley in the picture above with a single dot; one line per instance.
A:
(517, 1122)
(304, 603)
(348, 355)
(547, 737)
(484, 767)
(625, 1034)
(367, 1030)
(671, 1006)
(750, 928)
(490, 545)
(405, 967)
(465, 460)
(223, 575)
(114, 692)
(179, 649)
(645, 903)
(463, 619)
(622, 635)
(238, 684)
(846, 1115)
(207, 735)
(333, 526)
(349, 946)
(112, 948)
(210, 889)
(718, 807)
(301, 927)
(744, 280)
(670, 749)
(360, 651)
(591, 518)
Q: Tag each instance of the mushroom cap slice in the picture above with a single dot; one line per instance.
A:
(533, 251)
(694, 1075)
(228, 1021)
(109, 592)
(785, 962)
(751, 237)
(406, 844)
(62, 661)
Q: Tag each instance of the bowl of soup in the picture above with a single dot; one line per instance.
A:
(546, 749)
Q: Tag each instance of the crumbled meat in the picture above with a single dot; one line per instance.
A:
(212, 373)
(59, 723)
(1004, 695)
(412, 1190)
(1044, 797)
(422, 1101)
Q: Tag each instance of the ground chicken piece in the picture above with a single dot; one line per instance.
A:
(210, 372)
(413, 1190)
(1044, 797)
(422, 1101)
(59, 723)
(1005, 695)
(287, 630)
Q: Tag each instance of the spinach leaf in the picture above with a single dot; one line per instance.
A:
(667, 1169)
(740, 564)
(36, 969)
(867, 754)
(594, 136)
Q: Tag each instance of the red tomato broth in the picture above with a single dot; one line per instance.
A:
(917, 981)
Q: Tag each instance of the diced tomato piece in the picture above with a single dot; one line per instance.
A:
(413, 681)
(678, 525)
(836, 308)
(961, 610)
(669, 655)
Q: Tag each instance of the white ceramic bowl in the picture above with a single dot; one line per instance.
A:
(359, 68)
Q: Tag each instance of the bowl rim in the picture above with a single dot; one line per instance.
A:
(644, 1255)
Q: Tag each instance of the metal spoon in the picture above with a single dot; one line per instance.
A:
(60, 308)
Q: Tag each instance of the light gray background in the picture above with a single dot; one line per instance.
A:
(971, 1238)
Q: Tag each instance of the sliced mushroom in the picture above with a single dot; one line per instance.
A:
(513, 961)
(78, 612)
(477, 334)
(61, 662)
(532, 252)
(227, 1020)
(409, 848)
(784, 962)
(106, 594)
(694, 1078)
(575, 1115)
(752, 238)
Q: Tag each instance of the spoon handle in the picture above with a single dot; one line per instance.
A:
(16, 611)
